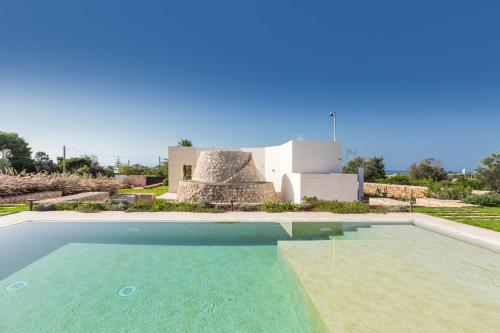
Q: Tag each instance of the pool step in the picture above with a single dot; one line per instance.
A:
(359, 234)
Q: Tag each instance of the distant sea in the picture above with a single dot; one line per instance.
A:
(390, 172)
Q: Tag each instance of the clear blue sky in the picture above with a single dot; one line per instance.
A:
(409, 79)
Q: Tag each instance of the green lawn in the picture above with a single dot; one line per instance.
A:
(11, 209)
(484, 217)
(157, 190)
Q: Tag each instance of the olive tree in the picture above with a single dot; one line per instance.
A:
(489, 172)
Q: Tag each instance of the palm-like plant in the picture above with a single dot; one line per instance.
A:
(185, 143)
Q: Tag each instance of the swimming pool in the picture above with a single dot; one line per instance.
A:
(242, 277)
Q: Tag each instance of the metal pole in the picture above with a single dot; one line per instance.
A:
(64, 159)
(159, 161)
(334, 126)
(361, 184)
(334, 116)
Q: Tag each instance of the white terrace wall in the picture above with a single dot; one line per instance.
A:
(334, 186)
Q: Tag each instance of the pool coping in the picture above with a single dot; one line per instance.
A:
(484, 238)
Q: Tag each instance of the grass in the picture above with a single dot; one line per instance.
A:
(156, 190)
(483, 217)
(11, 209)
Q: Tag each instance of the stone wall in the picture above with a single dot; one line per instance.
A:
(141, 180)
(193, 191)
(23, 198)
(85, 196)
(226, 167)
(225, 176)
(395, 191)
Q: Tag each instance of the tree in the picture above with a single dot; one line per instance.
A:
(134, 169)
(108, 171)
(20, 152)
(353, 165)
(84, 164)
(162, 170)
(374, 167)
(489, 172)
(44, 163)
(118, 164)
(185, 143)
(5, 156)
(428, 168)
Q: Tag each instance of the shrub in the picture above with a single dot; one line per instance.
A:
(448, 191)
(248, 207)
(205, 204)
(165, 206)
(116, 204)
(334, 206)
(44, 207)
(374, 168)
(492, 199)
(397, 179)
(305, 206)
(89, 207)
(428, 168)
(14, 184)
(278, 206)
(489, 172)
(142, 206)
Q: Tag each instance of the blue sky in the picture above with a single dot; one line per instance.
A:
(409, 79)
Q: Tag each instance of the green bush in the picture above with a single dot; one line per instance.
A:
(248, 207)
(116, 204)
(279, 206)
(205, 204)
(448, 190)
(142, 206)
(397, 179)
(44, 207)
(339, 207)
(165, 206)
(492, 200)
(89, 207)
(83, 207)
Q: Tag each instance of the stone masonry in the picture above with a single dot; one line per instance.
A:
(395, 191)
(23, 198)
(224, 176)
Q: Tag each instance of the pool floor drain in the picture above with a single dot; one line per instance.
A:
(17, 285)
(127, 291)
(134, 229)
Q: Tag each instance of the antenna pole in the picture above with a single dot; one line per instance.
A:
(64, 159)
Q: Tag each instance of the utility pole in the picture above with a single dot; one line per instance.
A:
(334, 116)
(64, 159)
(159, 161)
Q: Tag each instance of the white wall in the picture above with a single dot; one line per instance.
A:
(259, 158)
(296, 168)
(341, 187)
(316, 156)
(291, 187)
(273, 166)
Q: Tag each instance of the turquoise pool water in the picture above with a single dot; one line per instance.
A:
(147, 277)
(243, 277)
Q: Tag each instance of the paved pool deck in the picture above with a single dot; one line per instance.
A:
(478, 236)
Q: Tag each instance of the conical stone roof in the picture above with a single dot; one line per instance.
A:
(226, 167)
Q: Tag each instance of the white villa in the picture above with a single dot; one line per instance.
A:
(297, 169)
